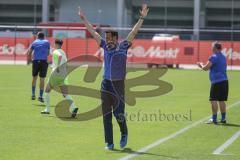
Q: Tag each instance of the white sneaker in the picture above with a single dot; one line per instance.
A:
(210, 121)
(45, 111)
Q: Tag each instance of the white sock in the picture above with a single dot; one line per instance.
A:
(72, 107)
(47, 102)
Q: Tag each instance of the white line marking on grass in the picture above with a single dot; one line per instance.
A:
(162, 140)
(220, 149)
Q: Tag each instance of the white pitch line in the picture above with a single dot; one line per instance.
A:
(220, 149)
(162, 140)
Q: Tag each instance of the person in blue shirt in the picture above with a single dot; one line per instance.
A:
(219, 82)
(112, 87)
(40, 49)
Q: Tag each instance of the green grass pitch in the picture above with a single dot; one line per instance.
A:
(26, 134)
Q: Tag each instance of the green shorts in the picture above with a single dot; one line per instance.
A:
(56, 81)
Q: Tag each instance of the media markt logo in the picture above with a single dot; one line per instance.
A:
(231, 54)
(151, 52)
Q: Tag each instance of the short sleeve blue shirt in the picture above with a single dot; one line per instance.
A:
(41, 49)
(115, 60)
(218, 70)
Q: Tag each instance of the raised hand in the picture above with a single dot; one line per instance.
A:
(80, 13)
(89, 27)
(144, 10)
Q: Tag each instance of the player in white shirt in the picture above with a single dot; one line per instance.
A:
(58, 78)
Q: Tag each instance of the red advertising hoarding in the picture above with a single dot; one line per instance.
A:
(142, 51)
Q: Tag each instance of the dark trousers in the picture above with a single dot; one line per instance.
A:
(112, 95)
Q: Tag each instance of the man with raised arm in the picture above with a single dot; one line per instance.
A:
(112, 87)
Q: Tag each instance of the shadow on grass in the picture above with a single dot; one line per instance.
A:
(67, 118)
(42, 105)
(130, 151)
(231, 125)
